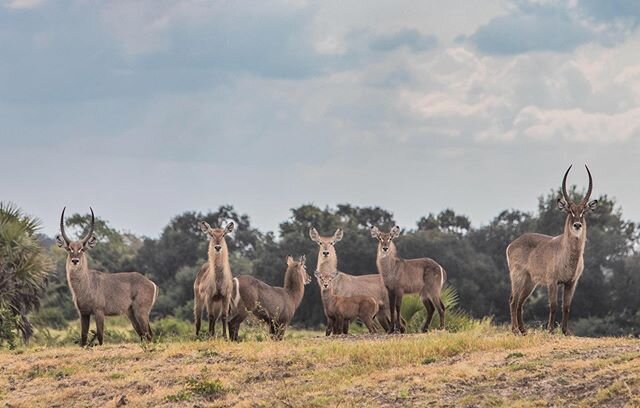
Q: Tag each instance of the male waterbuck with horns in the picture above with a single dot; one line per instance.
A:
(406, 276)
(349, 285)
(537, 259)
(214, 282)
(273, 305)
(105, 294)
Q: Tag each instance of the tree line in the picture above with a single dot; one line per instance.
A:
(606, 303)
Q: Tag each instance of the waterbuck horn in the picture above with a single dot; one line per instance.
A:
(64, 234)
(564, 185)
(93, 223)
(585, 200)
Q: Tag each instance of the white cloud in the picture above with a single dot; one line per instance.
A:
(23, 4)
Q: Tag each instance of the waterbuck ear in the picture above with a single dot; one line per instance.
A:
(60, 241)
(395, 232)
(337, 236)
(313, 234)
(374, 231)
(562, 205)
(204, 226)
(91, 242)
(229, 228)
(289, 260)
(316, 274)
(592, 205)
(303, 259)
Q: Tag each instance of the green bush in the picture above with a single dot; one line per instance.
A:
(415, 313)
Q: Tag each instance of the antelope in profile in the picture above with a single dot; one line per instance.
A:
(273, 305)
(349, 285)
(214, 282)
(341, 309)
(105, 294)
(537, 259)
(406, 276)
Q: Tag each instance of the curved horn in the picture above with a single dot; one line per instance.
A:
(564, 185)
(588, 195)
(93, 223)
(64, 234)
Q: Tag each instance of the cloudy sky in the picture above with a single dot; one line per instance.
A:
(149, 108)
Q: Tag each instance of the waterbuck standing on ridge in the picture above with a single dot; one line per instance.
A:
(405, 276)
(349, 285)
(273, 305)
(537, 259)
(214, 283)
(105, 294)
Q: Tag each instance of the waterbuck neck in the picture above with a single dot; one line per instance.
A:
(573, 245)
(327, 264)
(218, 260)
(328, 298)
(77, 275)
(387, 260)
(294, 284)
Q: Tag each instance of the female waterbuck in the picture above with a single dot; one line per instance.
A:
(342, 309)
(105, 294)
(537, 259)
(406, 276)
(214, 282)
(273, 305)
(349, 285)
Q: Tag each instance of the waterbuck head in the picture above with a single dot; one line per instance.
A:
(326, 243)
(576, 212)
(216, 235)
(385, 239)
(298, 267)
(324, 281)
(76, 249)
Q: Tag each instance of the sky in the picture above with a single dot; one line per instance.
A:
(147, 109)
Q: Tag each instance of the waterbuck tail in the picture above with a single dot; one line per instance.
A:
(236, 293)
(443, 276)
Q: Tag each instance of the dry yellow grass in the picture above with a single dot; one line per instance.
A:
(483, 366)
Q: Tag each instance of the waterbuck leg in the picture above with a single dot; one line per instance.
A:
(345, 326)
(392, 311)
(100, 326)
(197, 314)
(368, 321)
(330, 328)
(398, 315)
(552, 290)
(145, 328)
(212, 325)
(430, 310)
(384, 319)
(84, 329)
(513, 309)
(225, 313)
(569, 289)
(441, 312)
(134, 322)
(523, 295)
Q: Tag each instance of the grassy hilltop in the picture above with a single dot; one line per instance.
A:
(481, 366)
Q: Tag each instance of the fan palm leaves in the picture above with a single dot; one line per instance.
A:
(24, 267)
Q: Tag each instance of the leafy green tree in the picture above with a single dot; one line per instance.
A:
(24, 266)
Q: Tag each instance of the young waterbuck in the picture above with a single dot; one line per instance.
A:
(406, 276)
(537, 259)
(342, 309)
(105, 294)
(349, 285)
(273, 305)
(214, 282)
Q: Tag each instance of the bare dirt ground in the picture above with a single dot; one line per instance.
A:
(481, 367)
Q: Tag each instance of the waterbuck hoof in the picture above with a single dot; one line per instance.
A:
(567, 332)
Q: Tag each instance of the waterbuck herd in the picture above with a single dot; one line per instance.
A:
(533, 259)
